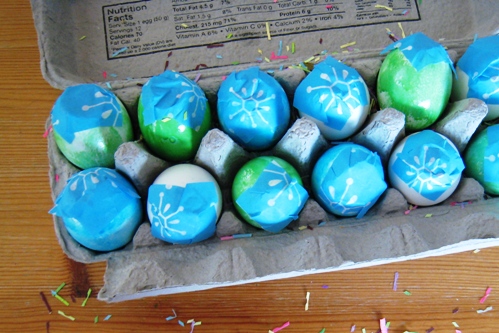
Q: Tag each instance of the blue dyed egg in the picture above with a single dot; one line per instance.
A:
(348, 179)
(335, 97)
(100, 209)
(478, 74)
(253, 109)
(425, 167)
(184, 204)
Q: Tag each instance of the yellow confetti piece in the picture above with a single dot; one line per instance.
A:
(303, 227)
(267, 59)
(309, 59)
(83, 37)
(476, 251)
(428, 215)
(402, 29)
(384, 7)
(267, 26)
(229, 36)
(287, 48)
(347, 45)
(66, 316)
(308, 300)
(260, 51)
(89, 292)
(363, 330)
(184, 25)
(189, 321)
(197, 323)
(455, 324)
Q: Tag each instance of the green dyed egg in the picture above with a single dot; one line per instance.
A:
(416, 79)
(89, 124)
(174, 116)
(267, 192)
(482, 159)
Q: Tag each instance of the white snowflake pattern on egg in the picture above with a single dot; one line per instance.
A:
(335, 97)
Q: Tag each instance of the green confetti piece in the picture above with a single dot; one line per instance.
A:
(89, 292)
(96, 319)
(323, 330)
(60, 287)
(408, 293)
(66, 316)
(428, 215)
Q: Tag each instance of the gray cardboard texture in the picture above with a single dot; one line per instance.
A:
(120, 44)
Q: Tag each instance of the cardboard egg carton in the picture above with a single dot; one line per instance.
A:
(119, 45)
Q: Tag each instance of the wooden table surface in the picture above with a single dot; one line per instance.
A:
(443, 289)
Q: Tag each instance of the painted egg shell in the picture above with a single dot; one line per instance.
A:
(174, 115)
(184, 204)
(348, 179)
(335, 97)
(89, 124)
(268, 193)
(416, 79)
(482, 159)
(425, 167)
(478, 74)
(253, 109)
(100, 209)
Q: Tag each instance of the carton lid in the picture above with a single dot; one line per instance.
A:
(118, 40)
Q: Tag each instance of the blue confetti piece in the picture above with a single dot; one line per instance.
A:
(181, 323)
(83, 107)
(107, 317)
(421, 51)
(173, 95)
(280, 198)
(330, 93)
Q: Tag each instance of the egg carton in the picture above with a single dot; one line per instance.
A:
(119, 45)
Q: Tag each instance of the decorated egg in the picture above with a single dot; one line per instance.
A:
(416, 79)
(100, 209)
(335, 97)
(253, 109)
(478, 74)
(268, 193)
(425, 167)
(89, 124)
(348, 179)
(482, 159)
(174, 115)
(184, 204)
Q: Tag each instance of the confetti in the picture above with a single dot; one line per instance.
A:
(89, 292)
(487, 293)
(293, 47)
(83, 37)
(329, 6)
(405, 12)
(181, 323)
(224, 238)
(242, 235)
(455, 310)
(277, 329)
(198, 76)
(184, 25)
(352, 329)
(303, 227)
(347, 45)
(66, 316)
(96, 319)
(323, 330)
(428, 215)
(363, 330)
(382, 325)
(325, 286)
(47, 131)
(431, 329)
(487, 309)
(384, 7)
(407, 292)
(322, 223)
(267, 26)
(229, 36)
(59, 298)
(455, 324)
(123, 49)
(108, 85)
(219, 56)
(60, 287)
(44, 299)
(476, 251)
(401, 29)
(458, 331)
(279, 52)
(308, 300)
(107, 317)
(170, 54)
(172, 317)
(395, 280)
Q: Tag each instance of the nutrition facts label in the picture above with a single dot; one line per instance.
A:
(144, 27)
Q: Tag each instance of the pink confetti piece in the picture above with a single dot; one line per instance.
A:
(277, 329)
(273, 56)
(198, 76)
(487, 293)
(104, 75)
(395, 280)
(47, 131)
(329, 6)
(458, 331)
(382, 325)
(224, 238)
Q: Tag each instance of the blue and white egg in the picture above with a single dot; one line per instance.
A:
(425, 167)
(478, 74)
(335, 97)
(348, 179)
(253, 109)
(184, 204)
(100, 209)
